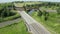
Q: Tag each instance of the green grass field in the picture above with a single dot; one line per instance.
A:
(52, 24)
(18, 28)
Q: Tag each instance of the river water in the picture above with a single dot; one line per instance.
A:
(31, 11)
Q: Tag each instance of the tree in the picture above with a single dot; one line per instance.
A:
(46, 14)
(39, 13)
(58, 11)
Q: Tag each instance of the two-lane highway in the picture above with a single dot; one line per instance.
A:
(34, 26)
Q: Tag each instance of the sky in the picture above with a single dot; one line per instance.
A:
(2, 1)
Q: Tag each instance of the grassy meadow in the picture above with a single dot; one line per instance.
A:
(17, 28)
(52, 24)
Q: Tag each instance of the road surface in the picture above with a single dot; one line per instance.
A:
(34, 26)
(3, 24)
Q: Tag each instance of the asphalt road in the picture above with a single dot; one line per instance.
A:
(34, 26)
(6, 23)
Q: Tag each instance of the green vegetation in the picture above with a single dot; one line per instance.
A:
(17, 28)
(5, 10)
(21, 4)
(58, 11)
(52, 24)
(8, 12)
(10, 18)
(42, 5)
(51, 20)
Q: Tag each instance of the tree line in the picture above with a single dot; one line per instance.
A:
(5, 9)
(45, 13)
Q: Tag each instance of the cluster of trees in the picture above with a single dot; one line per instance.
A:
(19, 1)
(30, 7)
(5, 10)
(44, 13)
(47, 4)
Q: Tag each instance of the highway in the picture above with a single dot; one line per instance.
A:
(34, 26)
